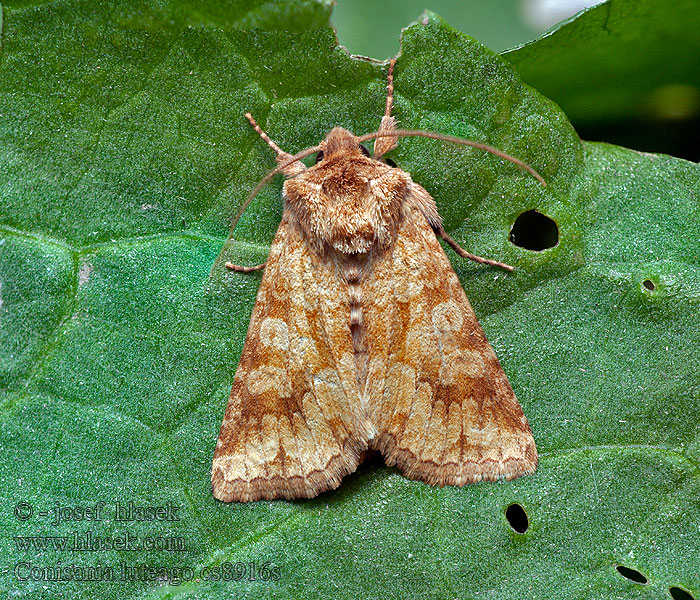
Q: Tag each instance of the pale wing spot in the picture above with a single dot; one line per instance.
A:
(331, 401)
(304, 350)
(453, 434)
(413, 252)
(374, 387)
(434, 440)
(230, 422)
(447, 316)
(296, 256)
(274, 333)
(417, 338)
(400, 391)
(415, 288)
(288, 442)
(471, 363)
(269, 379)
(401, 380)
(308, 453)
(405, 290)
(376, 368)
(232, 467)
(471, 410)
(408, 280)
(328, 377)
(413, 255)
(418, 418)
(419, 310)
(260, 296)
(514, 444)
(318, 426)
(254, 458)
(486, 437)
(304, 287)
(329, 393)
(270, 445)
(277, 249)
(300, 323)
(462, 363)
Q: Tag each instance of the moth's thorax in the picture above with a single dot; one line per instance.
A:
(339, 142)
(348, 201)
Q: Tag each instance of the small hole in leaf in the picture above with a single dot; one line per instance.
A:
(631, 574)
(649, 284)
(517, 517)
(534, 231)
(680, 594)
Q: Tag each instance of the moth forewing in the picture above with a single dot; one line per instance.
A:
(292, 427)
(442, 405)
(363, 338)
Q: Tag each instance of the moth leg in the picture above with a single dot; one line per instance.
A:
(240, 269)
(291, 170)
(422, 200)
(463, 253)
(385, 143)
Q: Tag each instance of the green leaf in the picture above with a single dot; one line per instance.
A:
(620, 59)
(498, 24)
(124, 154)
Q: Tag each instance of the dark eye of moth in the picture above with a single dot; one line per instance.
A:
(390, 162)
(364, 150)
(319, 157)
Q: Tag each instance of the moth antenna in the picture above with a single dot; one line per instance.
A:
(290, 169)
(385, 142)
(453, 140)
(390, 88)
(278, 169)
(277, 150)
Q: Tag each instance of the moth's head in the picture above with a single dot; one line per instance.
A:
(340, 142)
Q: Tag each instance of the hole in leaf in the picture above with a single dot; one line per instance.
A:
(680, 594)
(631, 574)
(517, 517)
(534, 231)
(649, 284)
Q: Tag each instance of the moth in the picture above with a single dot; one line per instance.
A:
(362, 338)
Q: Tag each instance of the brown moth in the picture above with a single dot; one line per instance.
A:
(363, 338)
